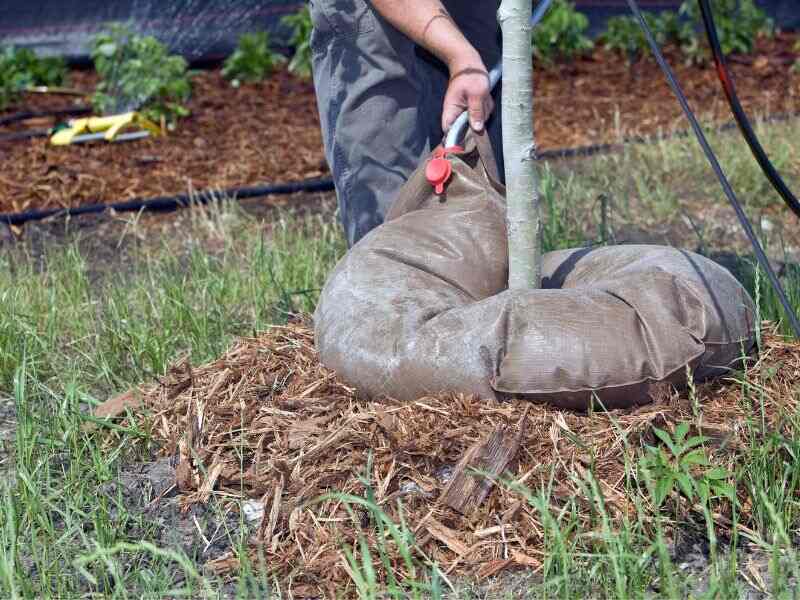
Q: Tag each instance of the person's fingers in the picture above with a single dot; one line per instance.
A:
(450, 113)
(477, 115)
(488, 107)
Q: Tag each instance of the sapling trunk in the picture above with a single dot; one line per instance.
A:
(523, 215)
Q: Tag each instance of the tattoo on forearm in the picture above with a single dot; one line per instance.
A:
(441, 14)
(469, 71)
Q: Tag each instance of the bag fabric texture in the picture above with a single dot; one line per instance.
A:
(421, 306)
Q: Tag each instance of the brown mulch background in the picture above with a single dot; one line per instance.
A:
(267, 421)
(270, 132)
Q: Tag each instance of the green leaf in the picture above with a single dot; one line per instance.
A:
(663, 488)
(717, 473)
(107, 49)
(694, 458)
(724, 490)
(696, 440)
(666, 438)
(680, 432)
(703, 490)
(686, 485)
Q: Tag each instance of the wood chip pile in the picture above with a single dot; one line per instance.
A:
(268, 422)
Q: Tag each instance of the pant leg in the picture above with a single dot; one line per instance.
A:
(370, 92)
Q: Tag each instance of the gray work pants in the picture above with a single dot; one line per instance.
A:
(380, 100)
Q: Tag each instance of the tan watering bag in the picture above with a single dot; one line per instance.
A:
(420, 306)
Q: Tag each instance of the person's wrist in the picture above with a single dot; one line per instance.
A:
(464, 60)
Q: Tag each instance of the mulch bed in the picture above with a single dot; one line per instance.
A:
(268, 422)
(270, 132)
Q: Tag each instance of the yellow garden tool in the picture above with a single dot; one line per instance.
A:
(104, 128)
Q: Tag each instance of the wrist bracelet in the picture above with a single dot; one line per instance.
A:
(470, 71)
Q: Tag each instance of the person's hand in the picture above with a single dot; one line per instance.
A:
(468, 90)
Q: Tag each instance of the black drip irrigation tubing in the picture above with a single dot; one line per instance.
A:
(21, 136)
(169, 203)
(18, 136)
(712, 159)
(739, 114)
(77, 111)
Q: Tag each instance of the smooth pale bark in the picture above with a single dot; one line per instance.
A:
(523, 213)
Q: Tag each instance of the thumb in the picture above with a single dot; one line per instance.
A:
(476, 113)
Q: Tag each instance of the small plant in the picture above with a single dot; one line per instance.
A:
(138, 73)
(739, 23)
(252, 61)
(684, 468)
(624, 34)
(560, 35)
(21, 68)
(301, 26)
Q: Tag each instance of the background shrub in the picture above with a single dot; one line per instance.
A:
(21, 68)
(138, 73)
(252, 61)
(301, 26)
(560, 35)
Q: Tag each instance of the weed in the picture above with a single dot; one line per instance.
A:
(138, 73)
(560, 35)
(301, 26)
(252, 61)
(685, 468)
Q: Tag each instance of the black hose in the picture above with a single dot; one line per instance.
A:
(712, 159)
(738, 112)
(77, 111)
(21, 136)
(167, 203)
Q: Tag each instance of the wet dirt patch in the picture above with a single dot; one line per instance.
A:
(203, 533)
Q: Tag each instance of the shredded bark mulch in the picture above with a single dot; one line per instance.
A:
(250, 135)
(269, 132)
(268, 422)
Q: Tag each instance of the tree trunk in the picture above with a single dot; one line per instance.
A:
(523, 215)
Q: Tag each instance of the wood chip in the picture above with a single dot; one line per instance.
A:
(523, 559)
(467, 490)
(210, 481)
(446, 535)
(115, 407)
(493, 567)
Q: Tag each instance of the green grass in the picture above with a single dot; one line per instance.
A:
(68, 341)
(71, 336)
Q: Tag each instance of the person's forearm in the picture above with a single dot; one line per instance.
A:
(429, 24)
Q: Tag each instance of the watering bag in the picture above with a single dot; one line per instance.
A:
(420, 306)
